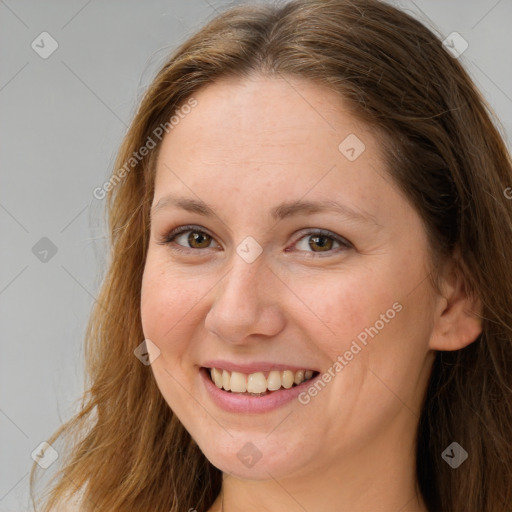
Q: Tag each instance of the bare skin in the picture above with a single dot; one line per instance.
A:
(246, 147)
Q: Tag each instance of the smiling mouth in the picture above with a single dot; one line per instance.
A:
(258, 383)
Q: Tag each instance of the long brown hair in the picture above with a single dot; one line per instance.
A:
(127, 450)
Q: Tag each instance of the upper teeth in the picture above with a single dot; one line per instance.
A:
(257, 382)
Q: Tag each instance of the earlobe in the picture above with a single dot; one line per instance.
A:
(458, 318)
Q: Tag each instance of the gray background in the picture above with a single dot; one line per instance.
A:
(62, 121)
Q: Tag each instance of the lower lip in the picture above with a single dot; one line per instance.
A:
(233, 402)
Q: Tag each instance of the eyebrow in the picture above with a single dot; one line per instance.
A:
(282, 211)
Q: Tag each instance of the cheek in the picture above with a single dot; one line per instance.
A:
(336, 309)
(376, 318)
(157, 300)
(169, 316)
(167, 307)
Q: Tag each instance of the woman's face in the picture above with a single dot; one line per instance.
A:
(272, 275)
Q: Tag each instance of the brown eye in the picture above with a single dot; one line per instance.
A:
(199, 240)
(324, 243)
(187, 238)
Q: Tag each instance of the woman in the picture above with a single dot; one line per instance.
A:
(232, 365)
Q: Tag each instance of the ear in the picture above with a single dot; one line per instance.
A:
(458, 316)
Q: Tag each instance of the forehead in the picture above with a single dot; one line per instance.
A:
(267, 125)
(274, 110)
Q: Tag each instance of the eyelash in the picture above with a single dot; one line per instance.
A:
(168, 240)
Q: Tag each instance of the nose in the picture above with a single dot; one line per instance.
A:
(246, 304)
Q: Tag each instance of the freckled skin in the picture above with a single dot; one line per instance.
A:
(247, 146)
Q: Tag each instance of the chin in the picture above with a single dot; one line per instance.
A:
(258, 459)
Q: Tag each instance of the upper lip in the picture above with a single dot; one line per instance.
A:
(257, 366)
